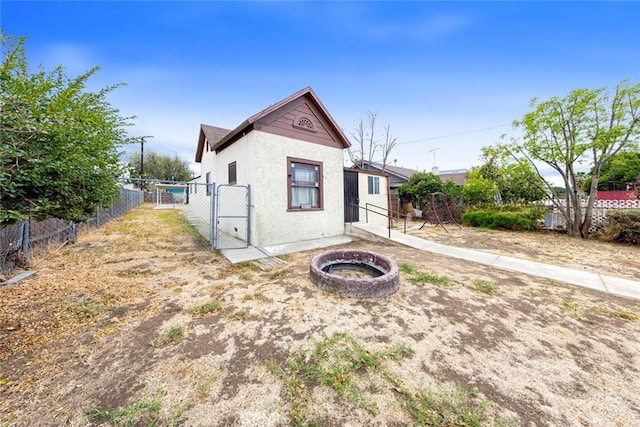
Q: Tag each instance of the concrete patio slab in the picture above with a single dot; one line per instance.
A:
(306, 245)
(253, 253)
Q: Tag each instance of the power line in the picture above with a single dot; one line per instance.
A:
(453, 134)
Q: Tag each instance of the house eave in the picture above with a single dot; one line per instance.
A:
(240, 131)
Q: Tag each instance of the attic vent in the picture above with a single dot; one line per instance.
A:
(303, 122)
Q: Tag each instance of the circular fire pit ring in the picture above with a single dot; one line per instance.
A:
(355, 273)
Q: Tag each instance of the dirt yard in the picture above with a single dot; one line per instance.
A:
(549, 247)
(139, 324)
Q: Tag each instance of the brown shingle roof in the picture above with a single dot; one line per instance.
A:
(394, 170)
(458, 178)
(213, 134)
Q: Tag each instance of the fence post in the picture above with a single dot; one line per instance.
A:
(248, 215)
(72, 233)
(20, 235)
(25, 241)
(212, 214)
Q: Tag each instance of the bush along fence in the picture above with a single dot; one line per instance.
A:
(18, 240)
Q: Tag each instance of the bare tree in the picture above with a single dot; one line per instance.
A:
(388, 145)
(357, 154)
(366, 142)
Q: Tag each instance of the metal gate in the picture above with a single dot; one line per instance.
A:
(232, 226)
(351, 197)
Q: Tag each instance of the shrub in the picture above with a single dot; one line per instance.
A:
(507, 217)
(623, 226)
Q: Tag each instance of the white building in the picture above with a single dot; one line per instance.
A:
(287, 160)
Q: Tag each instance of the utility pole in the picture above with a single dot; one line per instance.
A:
(142, 157)
(142, 141)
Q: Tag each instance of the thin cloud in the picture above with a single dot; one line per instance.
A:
(75, 58)
(429, 28)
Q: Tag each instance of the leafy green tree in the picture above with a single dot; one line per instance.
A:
(453, 191)
(515, 182)
(623, 169)
(586, 126)
(58, 142)
(478, 190)
(419, 187)
(161, 167)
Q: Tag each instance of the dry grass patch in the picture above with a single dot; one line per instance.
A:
(75, 338)
(421, 278)
(89, 279)
(358, 377)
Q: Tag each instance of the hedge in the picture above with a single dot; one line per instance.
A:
(623, 226)
(505, 218)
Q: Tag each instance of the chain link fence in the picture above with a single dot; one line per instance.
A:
(220, 213)
(232, 217)
(196, 200)
(17, 241)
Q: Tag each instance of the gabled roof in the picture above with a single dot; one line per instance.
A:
(246, 126)
(403, 173)
(211, 133)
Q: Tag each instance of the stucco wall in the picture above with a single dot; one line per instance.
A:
(270, 222)
(207, 163)
(374, 199)
(261, 162)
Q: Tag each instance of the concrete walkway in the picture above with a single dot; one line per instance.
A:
(600, 282)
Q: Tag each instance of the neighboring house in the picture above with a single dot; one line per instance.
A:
(630, 194)
(289, 159)
(366, 195)
(458, 176)
(398, 176)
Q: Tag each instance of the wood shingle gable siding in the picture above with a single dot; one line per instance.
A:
(284, 123)
(271, 120)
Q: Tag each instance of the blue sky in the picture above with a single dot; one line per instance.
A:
(448, 77)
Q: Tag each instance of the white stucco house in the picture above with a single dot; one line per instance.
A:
(288, 160)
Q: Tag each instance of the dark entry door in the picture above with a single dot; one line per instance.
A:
(351, 199)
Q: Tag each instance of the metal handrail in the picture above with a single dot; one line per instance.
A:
(390, 217)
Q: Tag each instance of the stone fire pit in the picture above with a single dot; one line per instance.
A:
(355, 273)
